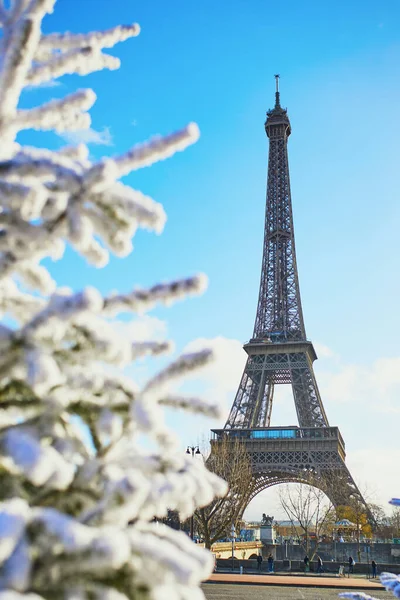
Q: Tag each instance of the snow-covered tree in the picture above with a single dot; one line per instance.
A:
(86, 459)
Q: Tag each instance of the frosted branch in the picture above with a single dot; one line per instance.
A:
(196, 405)
(23, 454)
(81, 62)
(141, 301)
(96, 388)
(184, 365)
(23, 306)
(28, 201)
(80, 152)
(19, 54)
(13, 595)
(163, 548)
(130, 207)
(159, 148)
(13, 518)
(34, 277)
(26, 169)
(65, 306)
(59, 115)
(391, 583)
(356, 596)
(140, 349)
(101, 39)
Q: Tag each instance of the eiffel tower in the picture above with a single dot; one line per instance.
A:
(279, 353)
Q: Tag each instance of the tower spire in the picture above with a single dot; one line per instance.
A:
(277, 95)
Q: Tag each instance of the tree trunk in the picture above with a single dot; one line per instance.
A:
(207, 539)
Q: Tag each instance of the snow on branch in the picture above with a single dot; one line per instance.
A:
(140, 349)
(182, 366)
(82, 61)
(21, 453)
(159, 148)
(59, 115)
(141, 301)
(65, 305)
(160, 551)
(356, 596)
(196, 405)
(391, 583)
(18, 54)
(100, 39)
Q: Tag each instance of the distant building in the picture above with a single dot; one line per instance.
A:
(291, 529)
(250, 535)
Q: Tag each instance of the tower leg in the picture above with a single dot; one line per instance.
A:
(252, 406)
(309, 407)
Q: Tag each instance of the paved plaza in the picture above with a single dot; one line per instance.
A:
(298, 580)
(222, 591)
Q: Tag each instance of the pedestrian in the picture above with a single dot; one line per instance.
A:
(270, 563)
(373, 565)
(306, 563)
(319, 565)
(259, 561)
(351, 565)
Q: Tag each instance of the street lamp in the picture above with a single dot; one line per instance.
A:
(368, 550)
(193, 450)
(233, 535)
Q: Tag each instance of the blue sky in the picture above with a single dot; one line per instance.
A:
(213, 63)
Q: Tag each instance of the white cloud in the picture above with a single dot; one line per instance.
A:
(220, 379)
(376, 385)
(142, 329)
(323, 351)
(377, 472)
(147, 328)
(88, 136)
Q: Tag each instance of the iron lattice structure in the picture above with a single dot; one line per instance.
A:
(279, 353)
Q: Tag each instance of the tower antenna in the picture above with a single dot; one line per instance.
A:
(277, 99)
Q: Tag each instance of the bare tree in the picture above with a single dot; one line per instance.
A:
(395, 521)
(382, 525)
(311, 509)
(230, 460)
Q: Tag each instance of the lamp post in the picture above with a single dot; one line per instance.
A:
(233, 534)
(334, 545)
(368, 550)
(193, 450)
